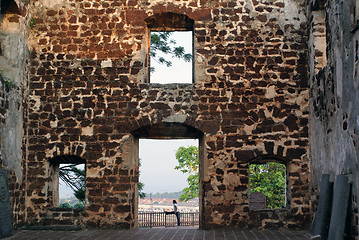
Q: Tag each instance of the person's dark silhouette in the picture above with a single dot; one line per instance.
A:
(175, 211)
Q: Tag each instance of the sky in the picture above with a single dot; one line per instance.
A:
(64, 190)
(158, 161)
(158, 156)
(180, 71)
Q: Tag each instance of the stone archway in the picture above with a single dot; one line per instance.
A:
(169, 130)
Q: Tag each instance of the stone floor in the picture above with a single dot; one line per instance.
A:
(182, 233)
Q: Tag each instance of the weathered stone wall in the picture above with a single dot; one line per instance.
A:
(335, 97)
(250, 100)
(13, 64)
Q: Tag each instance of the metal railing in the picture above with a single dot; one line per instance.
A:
(160, 219)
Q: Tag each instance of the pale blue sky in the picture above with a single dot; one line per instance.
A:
(158, 162)
(180, 71)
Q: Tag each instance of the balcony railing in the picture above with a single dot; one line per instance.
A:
(160, 219)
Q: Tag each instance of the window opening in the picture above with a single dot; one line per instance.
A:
(270, 180)
(9, 16)
(171, 54)
(72, 179)
(163, 182)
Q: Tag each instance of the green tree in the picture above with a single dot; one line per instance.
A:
(188, 163)
(269, 179)
(141, 194)
(161, 42)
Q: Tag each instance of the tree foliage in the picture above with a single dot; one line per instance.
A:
(269, 179)
(188, 163)
(74, 178)
(141, 194)
(161, 42)
(141, 185)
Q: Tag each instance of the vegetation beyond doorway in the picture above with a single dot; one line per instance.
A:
(270, 179)
(188, 163)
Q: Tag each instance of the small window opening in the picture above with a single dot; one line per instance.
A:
(9, 6)
(170, 48)
(267, 186)
(9, 16)
(72, 185)
(171, 57)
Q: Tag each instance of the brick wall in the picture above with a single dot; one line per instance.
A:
(250, 99)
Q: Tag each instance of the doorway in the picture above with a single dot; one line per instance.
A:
(160, 174)
(168, 171)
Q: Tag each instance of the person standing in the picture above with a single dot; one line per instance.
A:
(176, 212)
